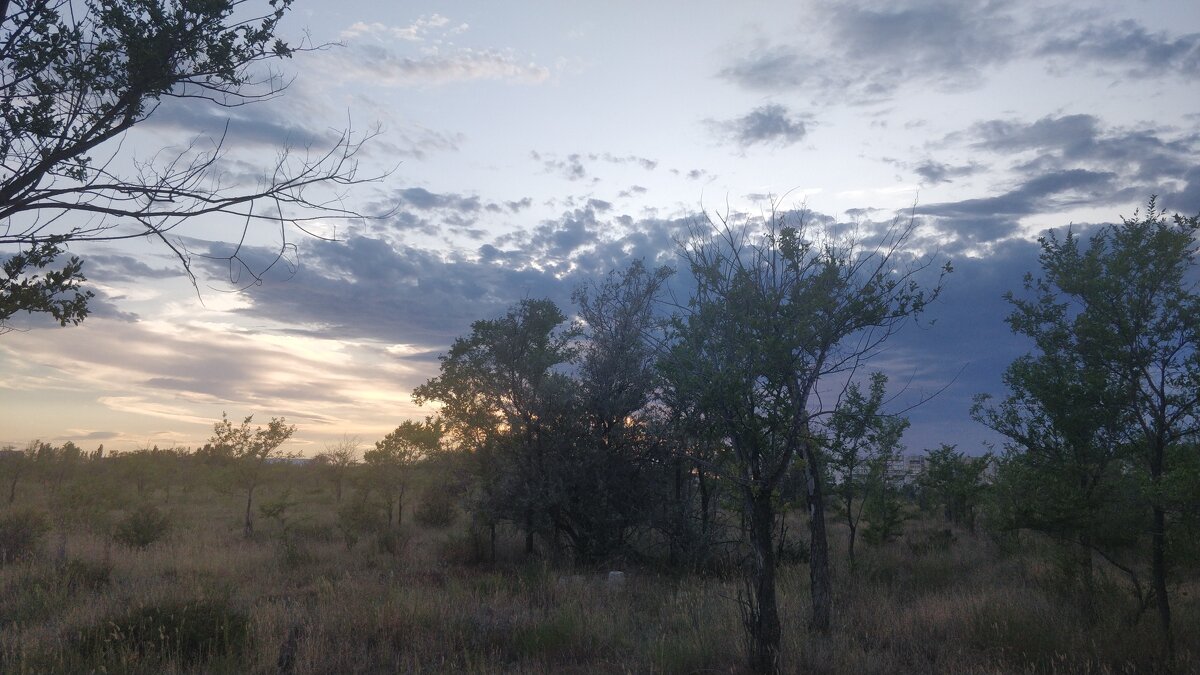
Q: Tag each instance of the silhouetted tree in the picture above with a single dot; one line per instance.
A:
(775, 315)
(74, 77)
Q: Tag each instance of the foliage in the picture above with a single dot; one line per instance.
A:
(337, 460)
(20, 533)
(1108, 403)
(955, 483)
(191, 631)
(776, 314)
(863, 442)
(75, 77)
(438, 509)
(143, 526)
(356, 518)
(498, 388)
(392, 459)
(26, 285)
(248, 451)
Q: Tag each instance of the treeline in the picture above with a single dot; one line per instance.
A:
(626, 425)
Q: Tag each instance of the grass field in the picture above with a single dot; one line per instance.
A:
(298, 600)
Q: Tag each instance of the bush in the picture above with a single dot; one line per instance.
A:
(189, 631)
(357, 518)
(142, 527)
(438, 510)
(80, 574)
(20, 533)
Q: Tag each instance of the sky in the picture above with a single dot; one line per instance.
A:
(527, 148)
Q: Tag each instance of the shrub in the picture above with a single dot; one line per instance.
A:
(85, 575)
(393, 542)
(142, 527)
(192, 631)
(356, 518)
(20, 533)
(438, 510)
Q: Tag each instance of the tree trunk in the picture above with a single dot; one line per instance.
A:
(528, 533)
(1159, 570)
(399, 508)
(818, 558)
(762, 612)
(248, 527)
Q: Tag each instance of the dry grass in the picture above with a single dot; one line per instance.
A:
(960, 606)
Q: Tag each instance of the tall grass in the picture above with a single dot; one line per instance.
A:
(205, 599)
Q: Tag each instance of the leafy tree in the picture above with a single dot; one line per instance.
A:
(25, 287)
(499, 388)
(1123, 311)
(1063, 471)
(773, 317)
(248, 452)
(863, 442)
(954, 482)
(391, 460)
(611, 474)
(74, 77)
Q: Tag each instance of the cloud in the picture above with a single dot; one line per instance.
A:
(771, 124)
(425, 200)
(438, 66)
(936, 172)
(414, 32)
(250, 126)
(573, 166)
(861, 53)
(1127, 46)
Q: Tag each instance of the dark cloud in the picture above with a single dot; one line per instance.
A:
(937, 172)
(116, 268)
(251, 126)
(425, 200)
(855, 53)
(1128, 47)
(771, 124)
(89, 436)
(870, 53)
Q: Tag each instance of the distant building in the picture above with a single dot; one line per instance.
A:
(906, 468)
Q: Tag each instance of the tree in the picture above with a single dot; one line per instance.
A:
(337, 460)
(954, 482)
(248, 452)
(773, 317)
(14, 464)
(74, 77)
(499, 388)
(1062, 472)
(392, 459)
(863, 442)
(1124, 312)
(611, 478)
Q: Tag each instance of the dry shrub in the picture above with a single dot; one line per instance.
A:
(20, 533)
